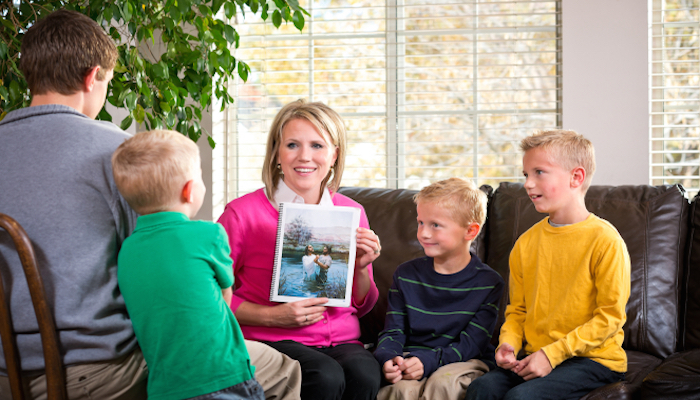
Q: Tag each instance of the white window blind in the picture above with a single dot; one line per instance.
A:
(428, 89)
(674, 93)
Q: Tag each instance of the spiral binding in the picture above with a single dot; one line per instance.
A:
(278, 251)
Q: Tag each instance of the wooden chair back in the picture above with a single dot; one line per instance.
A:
(55, 374)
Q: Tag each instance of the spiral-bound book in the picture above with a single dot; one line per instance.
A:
(315, 253)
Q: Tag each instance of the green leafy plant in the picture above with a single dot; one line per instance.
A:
(174, 55)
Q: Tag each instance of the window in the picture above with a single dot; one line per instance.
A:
(428, 89)
(675, 89)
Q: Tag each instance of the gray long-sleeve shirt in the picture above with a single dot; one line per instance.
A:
(56, 181)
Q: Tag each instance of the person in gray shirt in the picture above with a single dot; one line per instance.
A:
(56, 181)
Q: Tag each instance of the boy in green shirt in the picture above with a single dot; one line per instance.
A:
(175, 275)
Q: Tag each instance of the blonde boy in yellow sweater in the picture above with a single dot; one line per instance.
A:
(569, 284)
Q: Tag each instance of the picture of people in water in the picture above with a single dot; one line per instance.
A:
(316, 251)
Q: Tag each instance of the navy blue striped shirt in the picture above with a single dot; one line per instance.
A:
(441, 319)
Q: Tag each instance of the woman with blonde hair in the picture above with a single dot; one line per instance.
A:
(304, 164)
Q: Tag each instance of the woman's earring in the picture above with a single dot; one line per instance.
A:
(279, 167)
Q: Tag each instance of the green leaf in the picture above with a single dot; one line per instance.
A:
(169, 23)
(263, 13)
(182, 127)
(225, 60)
(230, 10)
(104, 115)
(127, 11)
(3, 50)
(131, 101)
(9, 25)
(176, 14)
(120, 68)
(229, 32)
(216, 5)
(205, 10)
(185, 6)
(126, 123)
(181, 114)
(254, 6)
(165, 106)
(14, 91)
(280, 3)
(194, 132)
(277, 18)
(140, 114)
(243, 70)
(212, 143)
(287, 14)
(161, 70)
(298, 20)
(170, 120)
(152, 120)
(121, 95)
(107, 14)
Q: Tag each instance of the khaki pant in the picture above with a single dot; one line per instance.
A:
(126, 378)
(449, 382)
(121, 379)
(278, 374)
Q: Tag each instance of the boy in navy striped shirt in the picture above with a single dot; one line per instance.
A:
(442, 307)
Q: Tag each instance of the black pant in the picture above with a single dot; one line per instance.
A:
(346, 371)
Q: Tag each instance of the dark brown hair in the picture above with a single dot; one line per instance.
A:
(58, 52)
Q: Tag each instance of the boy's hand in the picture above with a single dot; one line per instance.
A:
(228, 295)
(505, 357)
(412, 368)
(392, 369)
(536, 365)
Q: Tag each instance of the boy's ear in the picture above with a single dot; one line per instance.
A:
(472, 231)
(187, 195)
(578, 175)
(90, 78)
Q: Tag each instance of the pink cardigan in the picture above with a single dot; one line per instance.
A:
(251, 223)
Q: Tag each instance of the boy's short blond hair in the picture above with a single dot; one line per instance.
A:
(460, 197)
(567, 148)
(151, 168)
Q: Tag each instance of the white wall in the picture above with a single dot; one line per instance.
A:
(605, 84)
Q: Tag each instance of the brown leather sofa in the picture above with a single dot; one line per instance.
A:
(662, 232)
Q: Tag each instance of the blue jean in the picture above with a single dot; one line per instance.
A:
(572, 379)
(246, 390)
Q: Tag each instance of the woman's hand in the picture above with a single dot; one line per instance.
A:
(368, 247)
(298, 313)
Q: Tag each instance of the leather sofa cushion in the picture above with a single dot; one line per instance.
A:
(638, 366)
(677, 377)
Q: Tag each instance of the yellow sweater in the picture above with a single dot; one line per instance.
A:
(568, 290)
